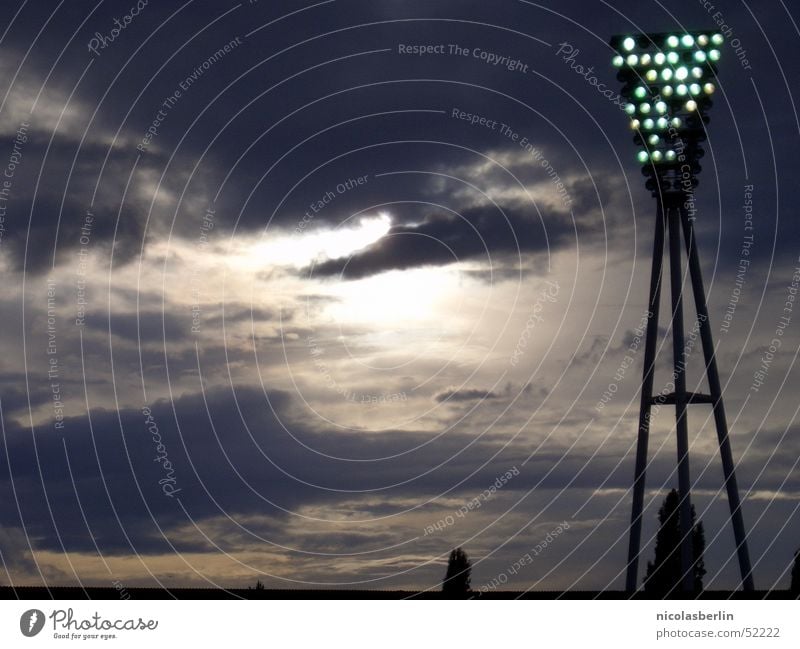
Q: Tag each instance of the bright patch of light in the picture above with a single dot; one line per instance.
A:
(396, 298)
(301, 249)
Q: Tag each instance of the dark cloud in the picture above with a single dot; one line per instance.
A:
(144, 326)
(454, 395)
(441, 239)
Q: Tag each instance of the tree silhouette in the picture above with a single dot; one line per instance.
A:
(794, 588)
(457, 579)
(664, 573)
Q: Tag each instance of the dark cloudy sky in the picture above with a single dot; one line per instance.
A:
(275, 308)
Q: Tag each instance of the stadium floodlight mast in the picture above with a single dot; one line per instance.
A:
(668, 82)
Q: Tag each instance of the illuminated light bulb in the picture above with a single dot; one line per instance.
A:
(702, 40)
(666, 74)
(662, 123)
(700, 56)
(661, 107)
(709, 88)
(687, 40)
(672, 41)
(718, 39)
(697, 73)
(635, 124)
(673, 58)
(651, 75)
(646, 58)
(682, 73)
(632, 59)
(691, 105)
(642, 157)
(667, 91)
(645, 107)
(695, 89)
(682, 90)
(630, 109)
(670, 155)
(676, 122)
(653, 139)
(714, 55)
(648, 124)
(657, 156)
(660, 58)
(628, 44)
(640, 92)
(617, 61)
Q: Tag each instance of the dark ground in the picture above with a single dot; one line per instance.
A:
(30, 592)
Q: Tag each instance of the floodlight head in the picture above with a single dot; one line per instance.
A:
(668, 80)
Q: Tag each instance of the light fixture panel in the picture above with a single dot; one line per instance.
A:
(671, 75)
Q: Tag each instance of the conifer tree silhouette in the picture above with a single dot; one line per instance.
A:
(663, 578)
(457, 579)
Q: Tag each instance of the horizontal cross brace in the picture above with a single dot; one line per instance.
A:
(691, 397)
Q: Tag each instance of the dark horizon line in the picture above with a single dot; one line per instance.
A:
(112, 593)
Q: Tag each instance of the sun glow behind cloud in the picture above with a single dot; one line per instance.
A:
(300, 249)
(420, 296)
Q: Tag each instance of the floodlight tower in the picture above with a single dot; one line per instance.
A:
(668, 82)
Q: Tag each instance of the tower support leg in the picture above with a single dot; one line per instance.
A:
(709, 354)
(651, 339)
(681, 424)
